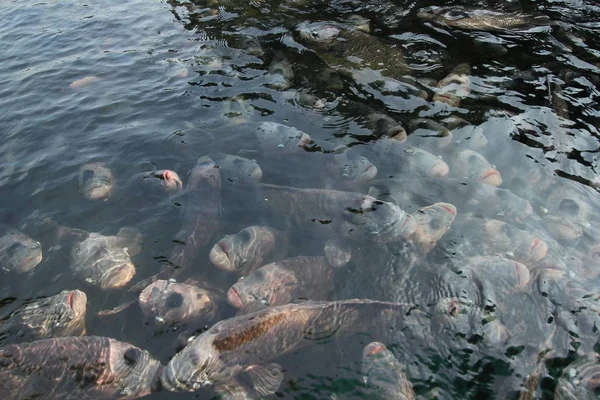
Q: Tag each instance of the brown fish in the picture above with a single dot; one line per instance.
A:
(243, 345)
(455, 87)
(18, 252)
(383, 373)
(284, 281)
(76, 368)
(95, 181)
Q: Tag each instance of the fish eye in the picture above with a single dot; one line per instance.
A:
(245, 236)
(473, 159)
(132, 356)
(314, 34)
(174, 300)
(569, 207)
(87, 175)
(13, 249)
(435, 223)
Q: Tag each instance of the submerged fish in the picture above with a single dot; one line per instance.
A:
(277, 138)
(455, 87)
(244, 345)
(75, 368)
(284, 281)
(479, 19)
(579, 380)
(236, 169)
(174, 302)
(54, 316)
(383, 373)
(347, 163)
(248, 249)
(281, 74)
(201, 212)
(402, 159)
(148, 187)
(18, 252)
(472, 165)
(95, 181)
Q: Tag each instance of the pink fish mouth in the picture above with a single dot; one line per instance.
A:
(234, 298)
(450, 208)
(70, 298)
(491, 177)
(375, 349)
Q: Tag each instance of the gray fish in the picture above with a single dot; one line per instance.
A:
(18, 252)
(248, 249)
(346, 163)
(201, 212)
(236, 169)
(383, 373)
(467, 136)
(284, 281)
(424, 131)
(384, 125)
(148, 187)
(579, 380)
(472, 165)
(243, 345)
(479, 19)
(281, 74)
(77, 368)
(567, 216)
(429, 224)
(330, 79)
(173, 302)
(276, 138)
(105, 261)
(455, 87)
(95, 181)
(477, 236)
(59, 315)
(403, 159)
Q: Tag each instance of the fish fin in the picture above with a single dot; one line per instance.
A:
(374, 192)
(251, 307)
(337, 252)
(265, 378)
(116, 310)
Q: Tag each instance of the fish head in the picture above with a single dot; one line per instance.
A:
(379, 220)
(95, 181)
(456, 315)
(381, 370)
(244, 249)
(443, 14)
(318, 32)
(18, 252)
(269, 285)
(526, 248)
(507, 275)
(567, 215)
(103, 263)
(580, 380)
(197, 366)
(281, 138)
(133, 370)
(59, 315)
(165, 180)
(174, 302)
(348, 164)
(240, 169)
(474, 166)
(330, 79)
(425, 163)
(384, 125)
(432, 222)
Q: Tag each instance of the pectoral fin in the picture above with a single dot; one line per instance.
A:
(265, 378)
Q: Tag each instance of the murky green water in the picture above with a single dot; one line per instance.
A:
(168, 82)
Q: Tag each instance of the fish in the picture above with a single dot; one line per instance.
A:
(579, 380)
(404, 159)
(246, 344)
(568, 214)
(455, 87)
(430, 224)
(95, 181)
(480, 236)
(275, 138)
(479, 19)
(19, 253)
(281, 74)
(472, 165)
(236, 169)
(105, 261)
(60, 315)
(202, 206)
(248, 249)
(346, 163)
(384, 375)
(83, 82)
(174, 302)
(73, 368)
(284, 281)
(351, 214)
(427, 132)
(146, 188)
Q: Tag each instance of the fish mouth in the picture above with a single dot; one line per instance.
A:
(440, 170)
(169, 381)
(374, 348)
(449, 207)
(523, 275)
(117, 276)
(397, 133)
(30, 263)
(491, 177)
(537, 250)
(449, 99)
(172, 180)
(564, 229)
(369, 174)
(77, 300)
(234, 298)
(256, 174)
(219, 255)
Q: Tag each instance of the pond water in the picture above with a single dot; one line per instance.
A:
(506, 100)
